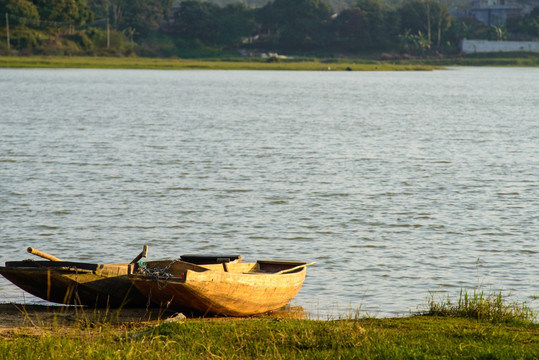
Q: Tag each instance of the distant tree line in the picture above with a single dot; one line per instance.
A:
(153, 27)
(311, 25)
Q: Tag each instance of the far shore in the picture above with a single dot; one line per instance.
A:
(196, 64)
(290, 64)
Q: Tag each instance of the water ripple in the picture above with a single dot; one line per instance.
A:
(396, 184)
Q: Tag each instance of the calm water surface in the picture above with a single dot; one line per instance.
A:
(396, 184)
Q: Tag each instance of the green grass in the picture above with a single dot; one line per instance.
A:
(476, 327)
(397, 338)
(300, 63)
(185, 64)
(487, 59)
(492, 62)
(493, 307)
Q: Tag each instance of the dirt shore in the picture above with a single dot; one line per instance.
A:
(32, 317)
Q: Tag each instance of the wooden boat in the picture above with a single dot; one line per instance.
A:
(234, 289)
(78, 283)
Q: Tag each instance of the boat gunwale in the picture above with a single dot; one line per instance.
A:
(180, 275)
(53, 265)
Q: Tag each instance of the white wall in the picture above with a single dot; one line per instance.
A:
(482, 46)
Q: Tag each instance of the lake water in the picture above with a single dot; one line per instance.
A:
(396, 183)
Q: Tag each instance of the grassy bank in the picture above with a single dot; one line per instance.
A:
(492, 59)
(476, 326)
(183, 64)
(266, 338)
(305, 64)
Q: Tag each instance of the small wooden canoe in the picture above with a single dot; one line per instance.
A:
(234, 289)
(76, 283)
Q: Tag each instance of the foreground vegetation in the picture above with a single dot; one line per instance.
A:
(398, 338)
(493, 307)
(476, 326)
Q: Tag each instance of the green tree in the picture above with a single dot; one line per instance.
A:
(233, 22)
(414, 43)
(499, 32)
(197, 20)
(427, 16)
(370, 25)
(20, 8)
(297, 24)
(214, 25)
(75, 12)
(350, 27)
(144, 16)
(100, 8)
(115, 12)
(527, 26)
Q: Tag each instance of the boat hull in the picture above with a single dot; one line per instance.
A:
(94, 285)
(221, 292)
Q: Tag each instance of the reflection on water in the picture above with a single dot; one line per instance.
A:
(396, 184)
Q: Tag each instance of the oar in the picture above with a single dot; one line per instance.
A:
(144, 253)
(294, 268)
(42, 254)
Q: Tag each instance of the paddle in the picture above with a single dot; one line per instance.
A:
(294, 268)
(144, 253)
(42, 254)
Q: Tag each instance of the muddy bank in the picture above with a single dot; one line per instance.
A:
(19, 316)
(34, 318)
